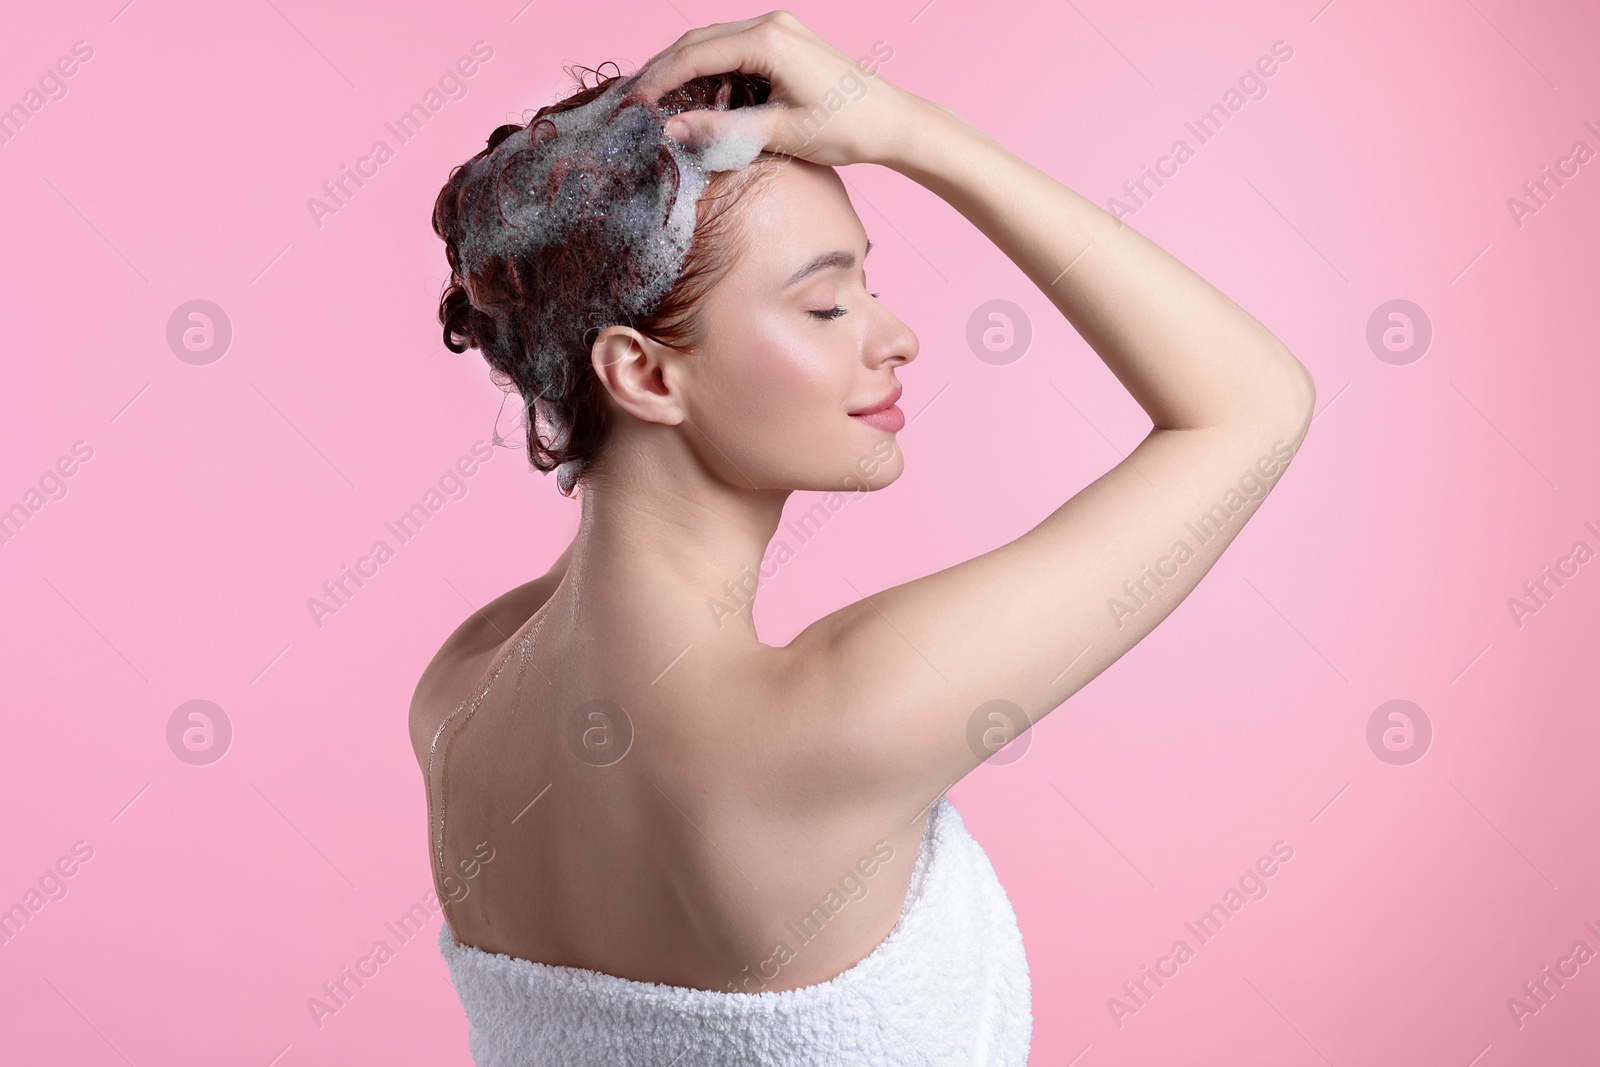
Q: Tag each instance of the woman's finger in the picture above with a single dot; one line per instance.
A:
(714, 29)
(699, 33)
(747, 50)
(705, 126)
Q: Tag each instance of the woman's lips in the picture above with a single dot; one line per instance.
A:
(883, 414)
(890, 418)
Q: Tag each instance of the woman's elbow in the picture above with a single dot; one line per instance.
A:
(1287, 405)
(1304, 389)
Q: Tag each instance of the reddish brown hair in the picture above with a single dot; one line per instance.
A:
(504, 306)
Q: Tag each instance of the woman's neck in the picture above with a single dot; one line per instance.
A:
(687, 565)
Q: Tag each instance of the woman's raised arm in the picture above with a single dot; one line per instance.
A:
(890, 691)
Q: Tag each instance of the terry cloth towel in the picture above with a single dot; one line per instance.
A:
(948, 986)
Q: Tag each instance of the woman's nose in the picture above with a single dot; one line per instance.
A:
(897, 344)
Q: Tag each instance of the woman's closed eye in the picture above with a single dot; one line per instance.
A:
(837, 310)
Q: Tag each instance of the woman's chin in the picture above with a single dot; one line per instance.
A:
(874, 472)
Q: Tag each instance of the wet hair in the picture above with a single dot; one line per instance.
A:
(584, 217)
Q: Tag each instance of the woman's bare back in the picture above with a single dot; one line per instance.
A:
(641, 823)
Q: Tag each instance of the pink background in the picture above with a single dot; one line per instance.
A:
(219, 497)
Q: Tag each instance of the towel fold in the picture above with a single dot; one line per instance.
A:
(949, 986)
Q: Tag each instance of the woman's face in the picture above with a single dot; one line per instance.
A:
(795, 342)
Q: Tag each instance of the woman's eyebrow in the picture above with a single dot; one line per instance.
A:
(824, 261)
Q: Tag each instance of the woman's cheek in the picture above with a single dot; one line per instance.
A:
(750, 385)
(793, 377)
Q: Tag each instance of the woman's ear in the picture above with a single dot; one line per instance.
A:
(640, 374)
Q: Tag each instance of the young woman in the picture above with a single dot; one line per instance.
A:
(655, 838)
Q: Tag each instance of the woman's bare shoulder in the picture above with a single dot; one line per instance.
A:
(467, 653)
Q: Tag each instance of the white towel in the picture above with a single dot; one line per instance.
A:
(949, 986)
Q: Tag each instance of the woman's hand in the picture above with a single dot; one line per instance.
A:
(824, 106)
